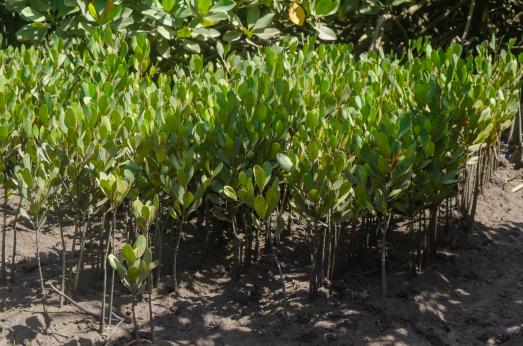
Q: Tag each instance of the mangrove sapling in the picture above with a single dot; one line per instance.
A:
(145, 215)
(184, 202)
(36, 184)
(134, 268)
(318, 185)
(389, 160)
(262, 201)
(115, 188)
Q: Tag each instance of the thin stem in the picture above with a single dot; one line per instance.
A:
(383, 265)
(472, 213)
(175, 255)
(136, 332)
(63, 262)
(13, 259)
(469, 20)
(282, 280)
(104, 266)
(81, 257)
(207, 228)
(236, 251)
(151, 317)
(313, 283)
(42, 287)
(112, 270)
(4, 232)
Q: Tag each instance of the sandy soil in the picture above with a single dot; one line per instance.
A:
(472, 294)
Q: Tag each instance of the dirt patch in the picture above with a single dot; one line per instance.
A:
(472, 294)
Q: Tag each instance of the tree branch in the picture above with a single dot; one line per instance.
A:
(469, 20)
(377, 30)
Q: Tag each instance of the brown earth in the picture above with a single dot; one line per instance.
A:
(472, 294)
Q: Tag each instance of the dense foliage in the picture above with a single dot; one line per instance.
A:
(346, 143)
(178, 27)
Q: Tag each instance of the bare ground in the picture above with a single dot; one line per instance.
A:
(472, 294)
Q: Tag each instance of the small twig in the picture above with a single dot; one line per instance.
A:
(517, 188)
(402, 29)
(441, 18)
(137, 341)
(379, 326)
(85, 310)
(108, 342)
(469, 20)
(508, 181)
(377, 30)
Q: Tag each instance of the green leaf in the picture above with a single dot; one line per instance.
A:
(260, 178)
(229, 192)
(140, 245)
(260, 206)
(166, 32)
(382, 141)
(253, 13)
(395, 193)
(325, 33)
(314, 195)
(117, 265)
(313, 150)
(133, 273)
(267, 33)
(204, 6)
(31, 32)
(231, 36)
(273, 196)
(144, 271)
(4, 132)
(128, 254)
(399, 2)
(326, 7)
(147, 256)
(223, 6)
(32, 15)
(188, 198)
(285, 162)
(92, 10)
(167, 5)
(264, 21)
(247, 197)
(154, 264)
(137, 208)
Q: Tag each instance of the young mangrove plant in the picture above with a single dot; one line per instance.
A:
(115, 187)
(134, 266)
